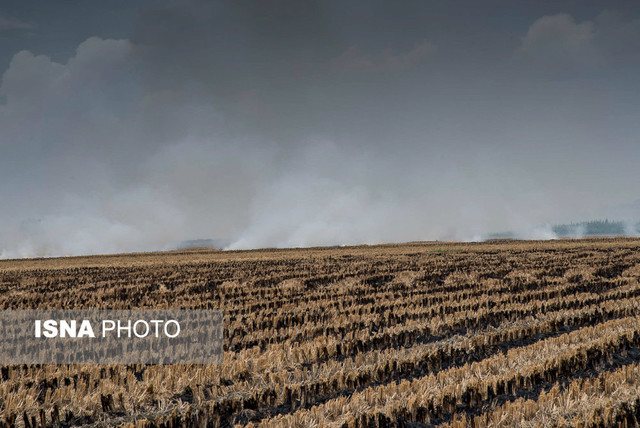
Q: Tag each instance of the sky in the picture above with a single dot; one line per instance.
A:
(135, 125)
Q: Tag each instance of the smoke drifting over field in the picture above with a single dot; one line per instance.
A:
(314, 123)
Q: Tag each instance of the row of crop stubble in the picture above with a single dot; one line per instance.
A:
(360, 336)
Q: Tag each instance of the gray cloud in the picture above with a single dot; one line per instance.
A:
(618, 36)
(558, 31)
(9, 23)
(311, 124)
(352, 61)
(560, 44)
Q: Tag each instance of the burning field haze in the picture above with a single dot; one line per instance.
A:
(134, 126)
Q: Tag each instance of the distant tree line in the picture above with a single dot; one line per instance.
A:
(590, 228)
(585, 228)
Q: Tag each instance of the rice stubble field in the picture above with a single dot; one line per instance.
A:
(504, 333)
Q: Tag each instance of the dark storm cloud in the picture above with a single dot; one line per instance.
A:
(255, 60)
(304, 123)
(276, 68)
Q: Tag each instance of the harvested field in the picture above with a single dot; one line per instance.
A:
(513, 333)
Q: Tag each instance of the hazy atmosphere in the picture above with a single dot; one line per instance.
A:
(137, 125)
